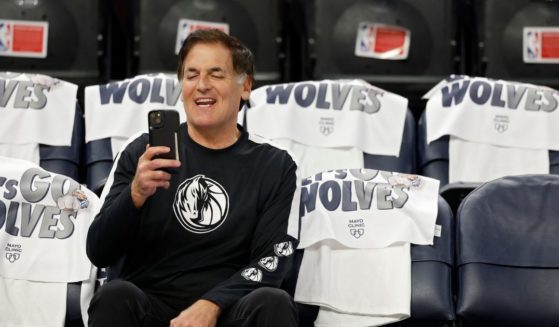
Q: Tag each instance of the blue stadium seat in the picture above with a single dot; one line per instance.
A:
(432, 302)
(508, 254)
(433, 157)
(432, 279)
(66, 160)
(98, 161)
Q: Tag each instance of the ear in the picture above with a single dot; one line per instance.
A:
(247, 87)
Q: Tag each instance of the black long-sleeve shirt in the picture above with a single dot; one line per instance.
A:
(218, 232)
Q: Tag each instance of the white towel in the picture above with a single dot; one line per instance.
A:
(330, 114)
(367, 208)
(495, 112)
(36, 109)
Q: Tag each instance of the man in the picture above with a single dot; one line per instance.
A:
(208, 244)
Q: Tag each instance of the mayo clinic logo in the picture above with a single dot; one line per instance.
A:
(501, 123)
(357, 232)
(326, 125)
(12, 257)
(13, 252)
(356, 227)
(201, 204)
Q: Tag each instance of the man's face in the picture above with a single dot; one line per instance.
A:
(211, 91)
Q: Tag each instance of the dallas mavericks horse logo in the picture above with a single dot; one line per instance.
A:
(201, 204)
(269, 263)
(252, 274)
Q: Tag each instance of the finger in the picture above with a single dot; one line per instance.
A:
(152, 151)
(165, 163)
(154, 176)
(147, 188)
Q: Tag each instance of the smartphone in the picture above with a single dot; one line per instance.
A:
(164, 131)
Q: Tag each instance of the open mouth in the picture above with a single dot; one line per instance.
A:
(205, 102)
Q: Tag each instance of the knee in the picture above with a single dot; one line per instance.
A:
(273, 299)
(115, 295)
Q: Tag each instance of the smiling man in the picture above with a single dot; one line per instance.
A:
(208, 244)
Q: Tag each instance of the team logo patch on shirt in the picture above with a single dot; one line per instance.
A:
(283, 249)
(71, 202)
(201, 204)
(407, 181)
(253, 274)
(269, 263)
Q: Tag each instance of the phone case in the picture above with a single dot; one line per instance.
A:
(164, 131)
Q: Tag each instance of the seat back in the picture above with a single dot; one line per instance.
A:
(432, 157)
(74, 33)
(512, 40)
(508, 254)
(432, 302)
(99, 161)
(66, 160)
(345, 39)
(259, 24)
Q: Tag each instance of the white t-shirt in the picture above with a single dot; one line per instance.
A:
(356, 229)
(356, 287)
(474, 162)
(42, 242)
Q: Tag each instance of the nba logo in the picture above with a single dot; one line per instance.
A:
(532, 44)
(182, 33)
(5, 36)
(187, 26)
(365, 37)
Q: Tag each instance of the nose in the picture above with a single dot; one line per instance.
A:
(203, 83)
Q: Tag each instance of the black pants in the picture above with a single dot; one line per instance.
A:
(121, 303)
